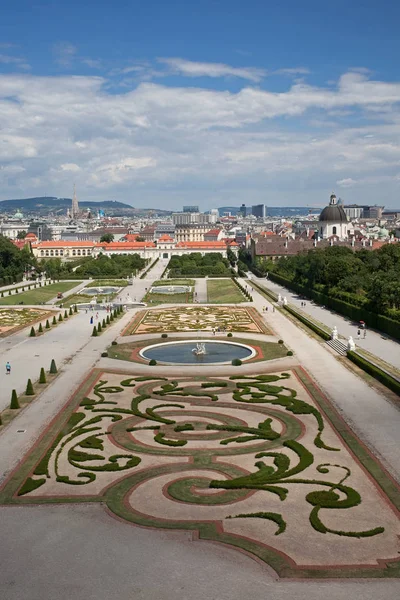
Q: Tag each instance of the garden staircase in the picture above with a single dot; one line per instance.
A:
(338, 346)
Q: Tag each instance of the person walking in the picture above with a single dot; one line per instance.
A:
(8, 368)
(358, 334)
(91, 320)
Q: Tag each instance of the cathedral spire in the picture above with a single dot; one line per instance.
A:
(75, 205)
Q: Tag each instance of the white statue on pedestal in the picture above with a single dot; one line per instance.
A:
(279, 298)
(350, 344)
(334, 333)
(284, 301)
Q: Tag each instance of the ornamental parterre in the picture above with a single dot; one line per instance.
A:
(263, 463)
(197, 318)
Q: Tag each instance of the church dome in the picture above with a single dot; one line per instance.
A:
(333, 213)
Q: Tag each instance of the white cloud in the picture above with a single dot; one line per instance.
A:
(165, 145)
(92, 63)
(72, 167)
(292, 71)
(346, 183)
(15, 61)
(204, 69)
(65, 53)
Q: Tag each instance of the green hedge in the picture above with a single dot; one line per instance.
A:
(310, 324)
(364, 364)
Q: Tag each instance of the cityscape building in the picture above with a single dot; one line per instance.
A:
(259, 211)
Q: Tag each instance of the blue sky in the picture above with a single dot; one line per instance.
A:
(215, 102)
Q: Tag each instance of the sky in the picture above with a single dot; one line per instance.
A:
(213, 102)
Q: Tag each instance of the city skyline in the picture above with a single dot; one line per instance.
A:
(214, 107)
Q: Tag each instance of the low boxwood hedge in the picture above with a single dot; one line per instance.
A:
(367, 366)
(310, 324)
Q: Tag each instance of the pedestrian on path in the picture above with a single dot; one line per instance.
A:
(8, 368)
(97, 316)
(365, 333)
(91, 320)
(358, 334)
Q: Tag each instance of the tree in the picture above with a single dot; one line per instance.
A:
(107, 237)
(42, 377)
(29, 389)
(53, 367)
(21, 235)
(14, 400)
(140, 238)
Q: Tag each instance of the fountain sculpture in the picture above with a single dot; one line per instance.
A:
(200, 349)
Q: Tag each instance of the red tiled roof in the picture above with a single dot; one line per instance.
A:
(125, 245)
(64, 244)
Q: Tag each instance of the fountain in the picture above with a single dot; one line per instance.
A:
(193, 352)
(200, 349)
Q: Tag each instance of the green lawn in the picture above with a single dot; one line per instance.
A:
(108, 282)
(223, 291)
(175, 282)
(40, 294)
(186, 298)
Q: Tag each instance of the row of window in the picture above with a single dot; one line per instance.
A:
(60, 252)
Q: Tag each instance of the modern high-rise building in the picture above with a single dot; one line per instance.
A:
(259, 211)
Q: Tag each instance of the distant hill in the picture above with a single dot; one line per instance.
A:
(45, 205)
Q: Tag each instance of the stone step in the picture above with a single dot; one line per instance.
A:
(338, 346)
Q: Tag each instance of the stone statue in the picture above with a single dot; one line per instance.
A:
(279, 298)
(284, 301)
(200, 349)
(334, 333)
(350, 344)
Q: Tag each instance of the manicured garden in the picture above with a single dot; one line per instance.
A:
(176, 298)
(197, 318)
(223, 291)
(260, 462)
(107, 283)
(39, 294)
(14, 319)
(197, 265)
(265, 350)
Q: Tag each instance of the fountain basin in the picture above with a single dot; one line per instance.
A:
(217, 352)
(99, 291)
(170, 289)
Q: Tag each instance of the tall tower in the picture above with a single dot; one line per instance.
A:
(75, 205)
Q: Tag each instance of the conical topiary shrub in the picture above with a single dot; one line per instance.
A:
(54, 321)
(33, 332)
(29, 389)
(40, 330)
(53, 367)
(75, 308)
(14, 404)
(47, 324)
(111, 317)
(94, 332)
(103, 324)
(65, 314)
(108, 319)
(99, 327)
(60, 317)
(70, 311)
(9, 293)
(42, 376)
